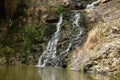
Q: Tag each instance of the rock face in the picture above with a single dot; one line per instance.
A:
(104, 1)
(8, 8)
(101, 51)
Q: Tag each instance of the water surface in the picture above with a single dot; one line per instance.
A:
(34, 73)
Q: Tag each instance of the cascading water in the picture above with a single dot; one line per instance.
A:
(64, 53)
(50, 57)
(50, 51)
(76, 22)
(92, 5)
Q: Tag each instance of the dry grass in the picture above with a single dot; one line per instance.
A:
(96, 36)
(43, 9)
(91, 39)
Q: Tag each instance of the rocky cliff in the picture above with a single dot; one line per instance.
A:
(101, 50)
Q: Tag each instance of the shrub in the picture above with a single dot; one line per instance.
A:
(7, 52)
(29, 38)
(59, 9)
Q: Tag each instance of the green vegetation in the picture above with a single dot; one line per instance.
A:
(30, 34)
(59, 9)
(41, 31)
(29, 37)
(7, 52)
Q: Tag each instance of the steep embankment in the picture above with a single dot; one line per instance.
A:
(101, 51)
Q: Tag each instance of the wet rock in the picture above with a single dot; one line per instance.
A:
(51, 19)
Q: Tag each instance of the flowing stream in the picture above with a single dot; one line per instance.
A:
(50, 52)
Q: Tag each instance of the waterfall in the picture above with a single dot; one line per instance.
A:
(76, 22)
(49, 57)
(64, 53)
(50, 51)
(92, 5)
